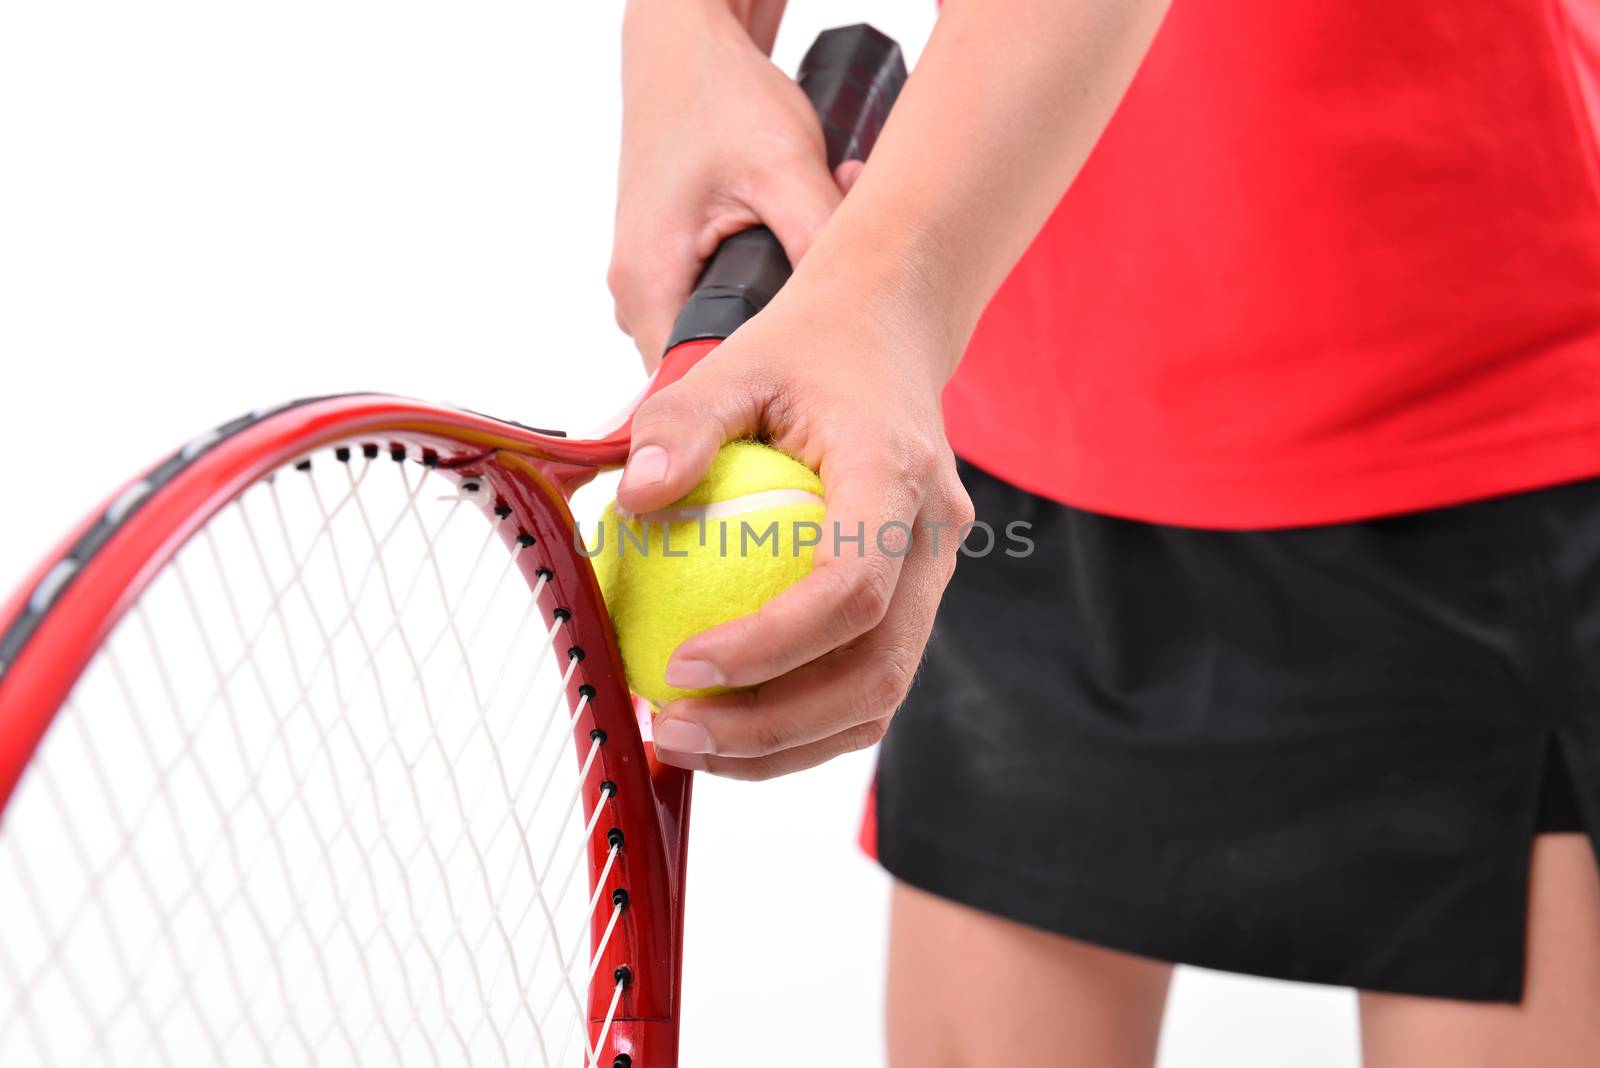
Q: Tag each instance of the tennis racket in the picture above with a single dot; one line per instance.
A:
(315, 745)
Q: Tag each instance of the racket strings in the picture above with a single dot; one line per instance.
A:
(315, 800)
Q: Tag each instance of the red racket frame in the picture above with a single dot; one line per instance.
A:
(852, 76)
(532, 474)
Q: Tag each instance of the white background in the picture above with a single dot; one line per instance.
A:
(209, 206)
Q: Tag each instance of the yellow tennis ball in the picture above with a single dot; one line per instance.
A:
(740, 537)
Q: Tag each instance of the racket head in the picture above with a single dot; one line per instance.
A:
(635, 808)
(53, 627)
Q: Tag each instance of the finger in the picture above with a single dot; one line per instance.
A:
(855, 685)
(656, 313)
(871, 509)
(677, 432)
(646, 312)
(795, 204)
(845, 175)
(643, 318)
(649, 284)
(758, 769)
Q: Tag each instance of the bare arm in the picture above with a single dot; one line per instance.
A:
(1005, 104)
(715, 139)
(760, 18)
(845, 366)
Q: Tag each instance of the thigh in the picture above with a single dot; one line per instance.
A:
(970, 989)
(1556, 1025)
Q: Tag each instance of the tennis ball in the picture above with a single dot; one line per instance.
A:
(744, 534)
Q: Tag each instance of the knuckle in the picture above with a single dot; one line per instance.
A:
(743, 633)
(619, 279)
(671, 408)
(864, 599)
(736, 188)
(746, 769)
(911, 453)
(886, 683)
(918, 453)
(867, 734)
(782, 158)
(767, 737)
(899, 467)
(962, 511)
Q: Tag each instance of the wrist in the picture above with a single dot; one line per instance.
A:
(678, 41)
(687, 15)
(669, 49)
(892, 275)
(891, 289)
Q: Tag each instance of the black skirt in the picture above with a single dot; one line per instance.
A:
(1317, 754)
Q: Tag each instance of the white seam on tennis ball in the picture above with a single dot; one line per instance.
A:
(734, 506)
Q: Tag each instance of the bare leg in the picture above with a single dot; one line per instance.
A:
(970, 990)
(1558, 1023)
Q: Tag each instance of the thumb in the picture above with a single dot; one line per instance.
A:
(797, 208)
(677, 432)
(846, 173)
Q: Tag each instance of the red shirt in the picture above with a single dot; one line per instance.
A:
(1329, 260)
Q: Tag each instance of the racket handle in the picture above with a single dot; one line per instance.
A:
(852, 76)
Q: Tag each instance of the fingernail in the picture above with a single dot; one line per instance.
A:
(694, 675)
(686, 761)
(645, 467)
(681, 736)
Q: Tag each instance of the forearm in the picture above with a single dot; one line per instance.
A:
(758, 18)
(1006, 103)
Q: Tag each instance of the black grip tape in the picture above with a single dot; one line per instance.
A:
(852, 76)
